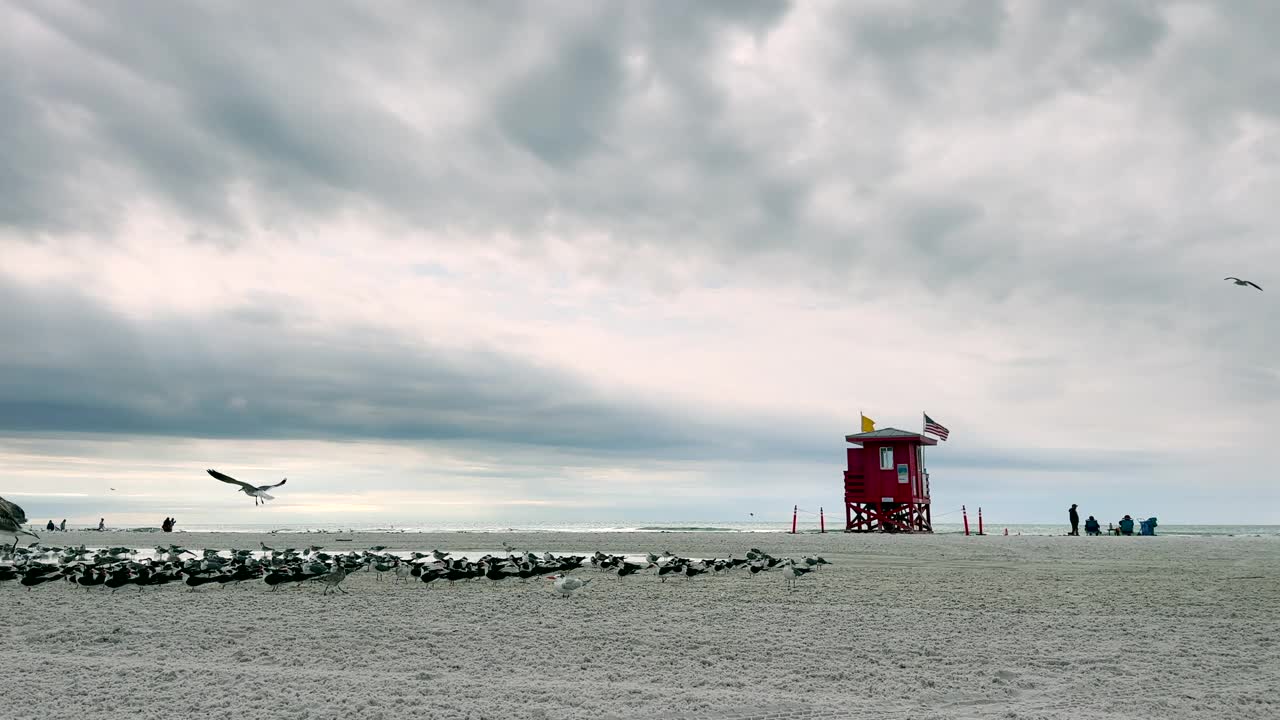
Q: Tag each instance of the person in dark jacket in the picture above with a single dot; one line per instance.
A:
(1126, 525)
(1075, 520)
(1092, 526)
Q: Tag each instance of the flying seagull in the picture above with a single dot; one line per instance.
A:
(257, 492)
(1243, 283)
(12, 518)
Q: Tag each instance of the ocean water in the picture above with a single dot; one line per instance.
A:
(687, 526)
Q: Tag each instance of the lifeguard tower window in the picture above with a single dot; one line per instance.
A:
(886, 458)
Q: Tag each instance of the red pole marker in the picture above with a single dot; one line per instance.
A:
(822, 520)
(794, 511)
(964, 514)
(980, 521)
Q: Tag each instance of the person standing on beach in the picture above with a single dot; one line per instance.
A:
(1075, 520)
(63, 526)
(102, 524)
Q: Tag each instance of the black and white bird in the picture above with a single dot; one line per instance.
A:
(791, 572)
(815, 562)
(12, 518)
(1243, 283)
(333, 579)
(257, 492)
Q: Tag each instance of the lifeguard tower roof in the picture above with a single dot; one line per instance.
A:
(890, 434)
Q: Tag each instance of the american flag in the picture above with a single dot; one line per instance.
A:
(932, 427)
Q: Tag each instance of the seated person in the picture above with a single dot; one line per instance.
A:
(1092, 526)
(50, 526)
(1148, 526)
(1126, 525)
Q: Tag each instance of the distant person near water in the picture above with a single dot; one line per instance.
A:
(168, 524)
(1126, 525)
(63, 526)
(1092, 526)
(102, 524)
(50, 527)
(1074, 516)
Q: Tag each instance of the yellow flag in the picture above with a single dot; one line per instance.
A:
(868, 425)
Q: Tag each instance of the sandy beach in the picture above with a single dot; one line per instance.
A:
(937, 626)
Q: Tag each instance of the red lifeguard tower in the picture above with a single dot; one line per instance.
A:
(886, 488)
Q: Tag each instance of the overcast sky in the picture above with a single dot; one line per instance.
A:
(494, 261)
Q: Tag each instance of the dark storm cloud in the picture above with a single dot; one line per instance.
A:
(284, 104)
(188, 103)
(905, 42)
(71, 366)
(561, 112)
(75, 367)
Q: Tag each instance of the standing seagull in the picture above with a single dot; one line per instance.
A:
(12, 518)
(1243, 283)
(257, 492)
(566, 584)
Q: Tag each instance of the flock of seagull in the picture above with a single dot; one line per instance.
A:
(119, 567)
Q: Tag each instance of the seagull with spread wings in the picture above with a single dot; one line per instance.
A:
(1243, 283)
(257, 492)
(12, 518)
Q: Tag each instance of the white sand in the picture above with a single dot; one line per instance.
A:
(898, 627)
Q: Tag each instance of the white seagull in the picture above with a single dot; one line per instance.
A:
(792, 572)
(257, 492)
(12, 518)
(567, 584)
(1243, 283)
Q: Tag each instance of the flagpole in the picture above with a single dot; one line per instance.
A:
(922, 463)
